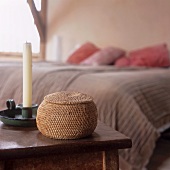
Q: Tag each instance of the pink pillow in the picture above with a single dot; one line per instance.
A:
(83, 52)
(154, 56)
(105, 56)
(122, 62)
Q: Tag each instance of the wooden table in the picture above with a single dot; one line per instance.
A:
(28, 149)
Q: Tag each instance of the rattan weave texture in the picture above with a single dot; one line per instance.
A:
(67, 115)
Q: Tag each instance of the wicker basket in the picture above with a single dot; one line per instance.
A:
(67, 115)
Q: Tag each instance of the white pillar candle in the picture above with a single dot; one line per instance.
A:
(27, 75)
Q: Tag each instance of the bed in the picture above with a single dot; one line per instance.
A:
(134, 101)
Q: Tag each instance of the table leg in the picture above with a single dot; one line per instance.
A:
(2, 165)
(110, 160)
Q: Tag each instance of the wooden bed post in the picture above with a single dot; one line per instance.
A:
(40, 22)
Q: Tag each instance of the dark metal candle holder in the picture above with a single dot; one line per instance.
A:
(17, 115)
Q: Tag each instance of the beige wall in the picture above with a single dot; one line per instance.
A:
(128, 24)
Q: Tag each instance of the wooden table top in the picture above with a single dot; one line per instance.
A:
(18, 142)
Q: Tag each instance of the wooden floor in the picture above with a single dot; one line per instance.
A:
(161, 156)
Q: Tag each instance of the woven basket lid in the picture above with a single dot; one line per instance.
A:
(66, 97)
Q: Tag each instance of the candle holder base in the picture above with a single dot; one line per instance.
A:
(19, 116)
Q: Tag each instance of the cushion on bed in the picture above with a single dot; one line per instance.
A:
(105, 56)
(153, 56)
(83, 52)
(122, 62)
